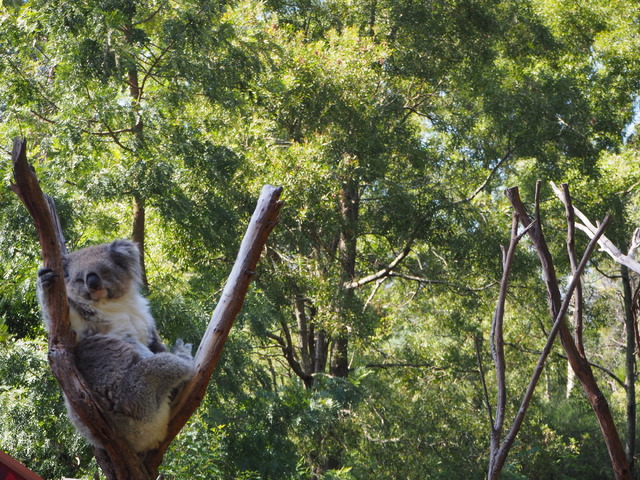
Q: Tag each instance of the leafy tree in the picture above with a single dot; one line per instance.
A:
(394, 127)
(34, 428)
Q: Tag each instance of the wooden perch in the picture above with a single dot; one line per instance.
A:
(117, 459)
(28, 190)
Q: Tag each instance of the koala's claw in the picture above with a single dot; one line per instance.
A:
(46, 276)
(182, 349)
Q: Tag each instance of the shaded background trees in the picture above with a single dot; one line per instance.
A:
(393, 127)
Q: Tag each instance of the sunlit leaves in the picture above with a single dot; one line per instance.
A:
(426, 109)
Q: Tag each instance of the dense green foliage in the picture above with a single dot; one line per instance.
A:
(394, 127)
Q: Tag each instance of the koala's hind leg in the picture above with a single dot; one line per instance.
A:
(156, 376)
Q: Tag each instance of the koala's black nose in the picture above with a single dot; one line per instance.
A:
(93, 281)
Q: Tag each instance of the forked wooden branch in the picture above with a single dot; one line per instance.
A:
(61, 359)
(499, 451)
(117, 459)
(579, 364)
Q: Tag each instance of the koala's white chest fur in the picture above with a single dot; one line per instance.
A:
(128, 315)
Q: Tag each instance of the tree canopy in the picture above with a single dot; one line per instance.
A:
(394, 128)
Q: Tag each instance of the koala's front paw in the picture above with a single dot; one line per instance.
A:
(182, 349)
(45, 277)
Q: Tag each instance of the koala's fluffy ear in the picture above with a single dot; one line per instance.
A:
(125, 248)
(126, 254)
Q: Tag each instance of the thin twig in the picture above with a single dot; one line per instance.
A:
(386, 271)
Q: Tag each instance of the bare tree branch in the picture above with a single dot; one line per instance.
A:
(262, 223)
(499, 453)
(609, 373)
(578, 363)
(571, 251)
(497, 341)
(604, 242)
(428, 281)
(124, 462)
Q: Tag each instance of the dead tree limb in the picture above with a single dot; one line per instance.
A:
(627, 263)
(606, 244)
(579, 363)
(264, 219)
(571, 251)
(497, 349)
(500, 448)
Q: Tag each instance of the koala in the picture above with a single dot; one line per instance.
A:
(103, 285)
(133, 385)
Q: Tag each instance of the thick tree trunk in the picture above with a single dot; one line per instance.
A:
(123, 462)
(305, 335)
(138, 234)
(349, 204)
(347, 248)
(339, 355)
(321, 351)
(139, 204)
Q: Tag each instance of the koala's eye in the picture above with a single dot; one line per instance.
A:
(79, 280)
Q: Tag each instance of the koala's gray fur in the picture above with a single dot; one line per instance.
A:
(118, 350)
(103, 285)
(132, 384)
